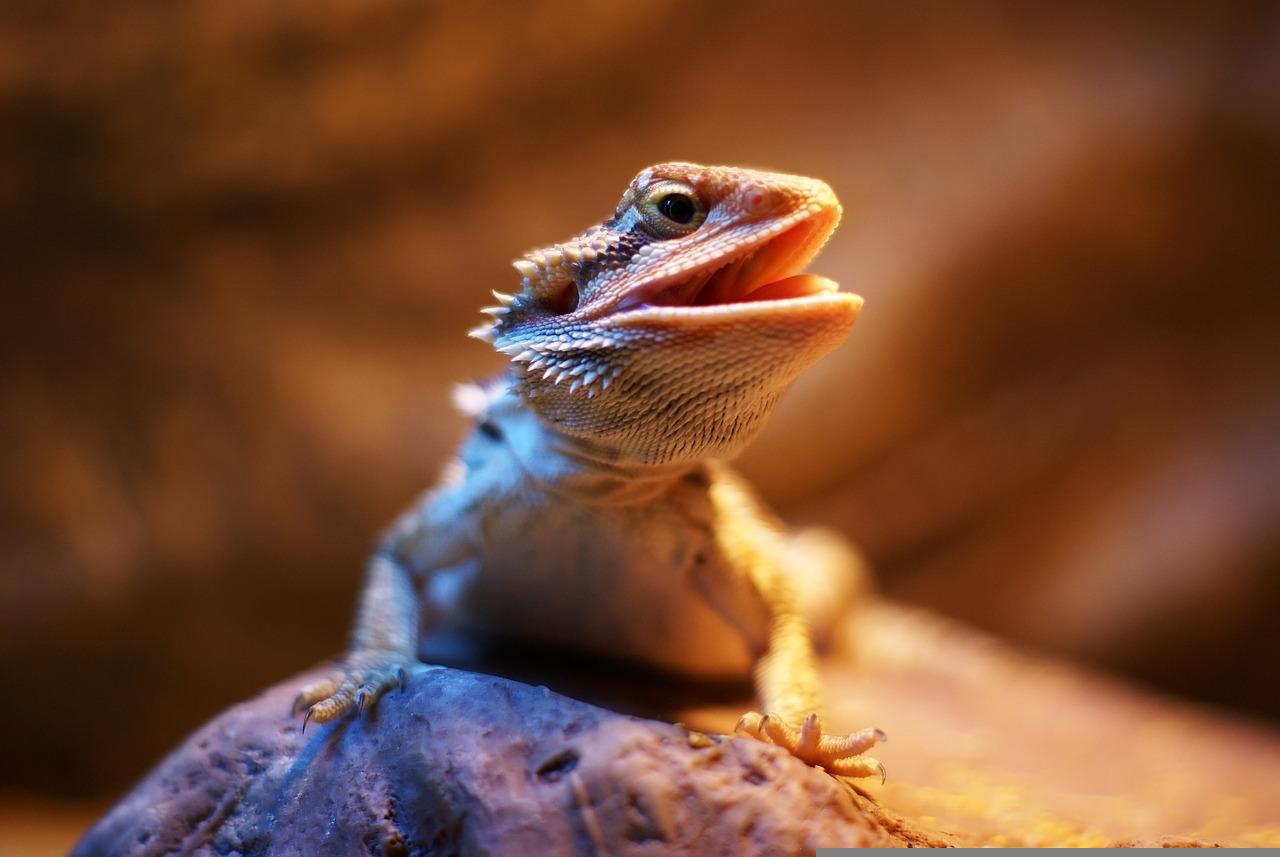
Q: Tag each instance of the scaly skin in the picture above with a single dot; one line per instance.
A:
(590, 507)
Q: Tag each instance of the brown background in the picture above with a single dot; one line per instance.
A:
(241, 242)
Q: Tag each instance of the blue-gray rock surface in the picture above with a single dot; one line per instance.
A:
(465, 763)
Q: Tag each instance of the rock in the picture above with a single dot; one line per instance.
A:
(464, 763)
(988, 743)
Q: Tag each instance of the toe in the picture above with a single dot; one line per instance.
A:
(750, 724)
(779, 732)
(858, 766)
(842, 746)
(810, 735)
(314, 692)
(838, 754)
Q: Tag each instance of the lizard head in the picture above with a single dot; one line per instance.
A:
(668, 332)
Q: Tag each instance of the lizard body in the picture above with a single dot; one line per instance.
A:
(590, 507)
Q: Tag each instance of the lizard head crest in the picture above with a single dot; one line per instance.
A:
(669, 331)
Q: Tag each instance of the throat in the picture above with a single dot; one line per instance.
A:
(598, 475)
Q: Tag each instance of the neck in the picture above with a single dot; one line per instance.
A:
(579, 469)
(599, 474)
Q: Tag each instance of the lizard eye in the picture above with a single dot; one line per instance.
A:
(677, 207)
(671, 209)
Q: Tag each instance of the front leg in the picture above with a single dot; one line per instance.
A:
(754, 592)
(383, 645)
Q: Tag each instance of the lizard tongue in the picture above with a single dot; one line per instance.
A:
(749, 279)
(798, 286)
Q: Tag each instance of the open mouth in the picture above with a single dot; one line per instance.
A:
(766, 270)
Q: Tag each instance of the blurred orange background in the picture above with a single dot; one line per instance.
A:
(242, 243)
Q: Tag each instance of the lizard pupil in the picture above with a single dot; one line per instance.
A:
(677, 207)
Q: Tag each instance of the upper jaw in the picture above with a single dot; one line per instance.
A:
(757, 268)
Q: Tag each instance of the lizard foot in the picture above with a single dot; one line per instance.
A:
(363, 677)
(836, 754)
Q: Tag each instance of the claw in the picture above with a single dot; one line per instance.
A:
(402, 677)
(307, 719)
(361, 696)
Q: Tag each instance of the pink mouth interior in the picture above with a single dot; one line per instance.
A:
(765, 273)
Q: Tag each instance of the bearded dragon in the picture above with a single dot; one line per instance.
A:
(590, 506)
